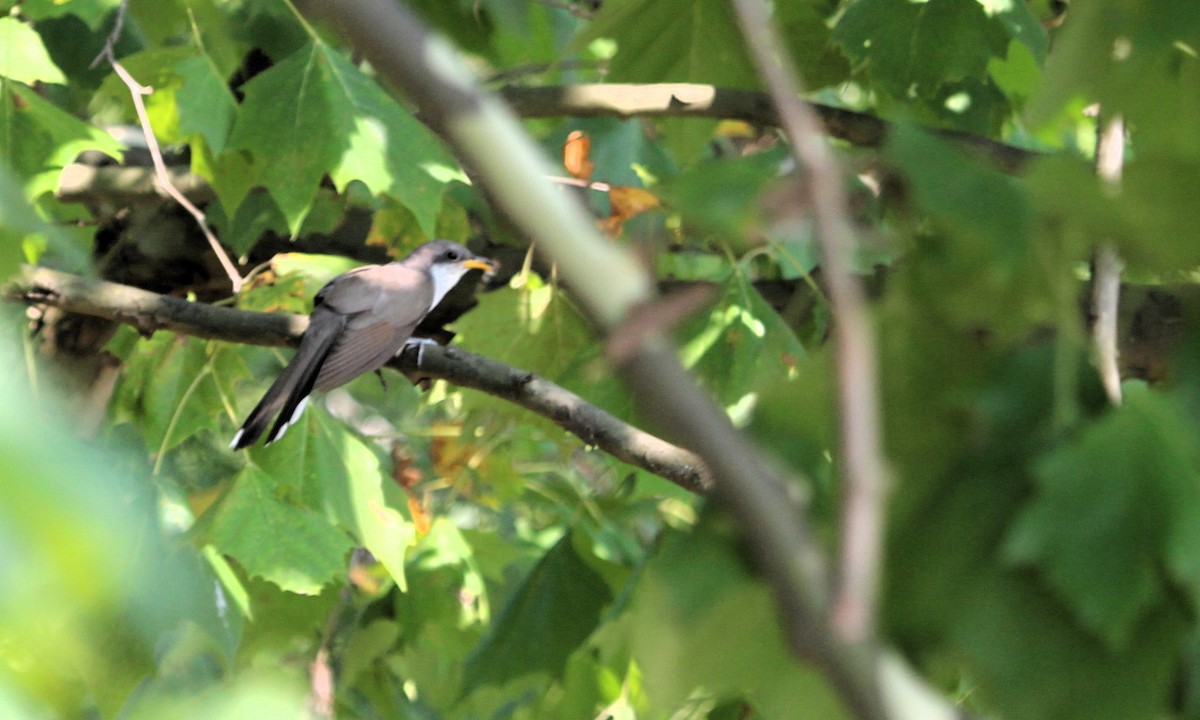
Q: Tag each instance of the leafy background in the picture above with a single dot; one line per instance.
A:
(1043, 550)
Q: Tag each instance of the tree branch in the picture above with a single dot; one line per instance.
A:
(149, 312)
(567, 410)
(623, 100)
(626, 100)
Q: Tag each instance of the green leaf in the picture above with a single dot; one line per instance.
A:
(550, 330)
(1149, 217)
(916, 47)
(621, 152)
(739, 347)
(543, 332)
(673, 41)
(206, 107)
(332, 472)
(694, 597)
(37, 140)
(154, 68)
(1026, 662)
(932, 58)
(968, 425)
(317, 270)
(169, 389)
(23, 57)
(1018, 73)
(91, 12)
(389, 150)
(294, 128)
(283, 620)
(805, 29)
(1112, 506)
(24, 236)
(687, 264)
(983, 254)
(724, 197)
(314, 114)
(552, 612)
(353, 491)
(1132, 58)
(448, 622)
(274, 537)
(1156, 213)
(255, 213)
(90, 584)
(231, 175)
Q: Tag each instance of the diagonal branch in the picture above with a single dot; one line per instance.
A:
(864, 470)
(148, 312)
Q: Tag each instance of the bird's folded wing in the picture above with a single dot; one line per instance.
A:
(383, 305)
(391, 291)
(361, 350)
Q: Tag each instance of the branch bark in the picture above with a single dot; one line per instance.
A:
(149, 312)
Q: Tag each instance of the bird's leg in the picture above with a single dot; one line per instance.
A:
(382, 379)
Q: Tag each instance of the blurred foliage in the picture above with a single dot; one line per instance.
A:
(445, 555)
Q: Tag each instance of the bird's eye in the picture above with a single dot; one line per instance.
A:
(451, 255)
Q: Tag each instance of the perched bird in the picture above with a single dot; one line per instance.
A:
(360, 319)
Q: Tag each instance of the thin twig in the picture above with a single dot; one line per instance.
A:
(580, 183)
(1107, 264)
(863, 467)
(137, 92)
(110, 42)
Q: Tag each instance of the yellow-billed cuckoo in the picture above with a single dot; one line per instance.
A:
(360, 319)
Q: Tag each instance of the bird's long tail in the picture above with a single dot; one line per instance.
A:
(285, 400)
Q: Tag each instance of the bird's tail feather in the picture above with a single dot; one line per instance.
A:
(284, 401)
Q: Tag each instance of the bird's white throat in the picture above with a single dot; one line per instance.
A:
(444, 276)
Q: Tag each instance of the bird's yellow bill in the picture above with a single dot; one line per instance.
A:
(475, 264)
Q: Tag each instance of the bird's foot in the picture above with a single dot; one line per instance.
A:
(420, 342)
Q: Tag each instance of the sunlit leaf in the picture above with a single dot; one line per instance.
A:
(90, 11)
(315, 114)
(739, 347)
(23, 57)
(206, 106)
(275, 537)
(38, 139)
